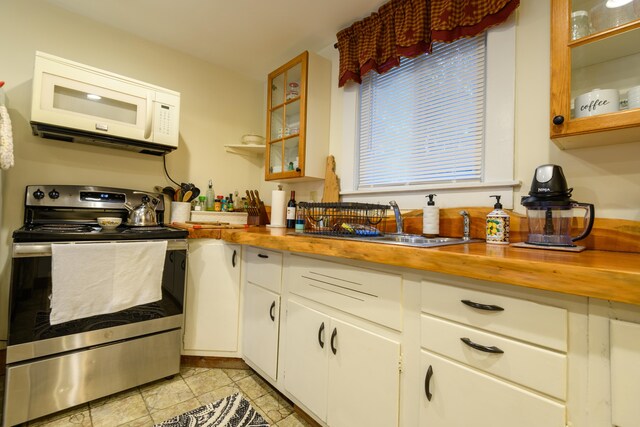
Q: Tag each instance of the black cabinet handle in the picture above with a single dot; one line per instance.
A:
(271, 311)
(481, 347)
(171, 256)
(334, 350)
(486, 307)
(263, 256)
(427, 381)
(183, 264)
(558, 120)
(320, 331)
(233, 258)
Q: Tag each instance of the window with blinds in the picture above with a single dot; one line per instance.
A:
(423, 122)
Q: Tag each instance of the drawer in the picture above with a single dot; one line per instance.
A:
(370, 294)
(516, 318)
(534, 367)
(464, 397)
(264, 268)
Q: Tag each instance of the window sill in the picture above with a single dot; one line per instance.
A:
(448, 194)
(432, 187)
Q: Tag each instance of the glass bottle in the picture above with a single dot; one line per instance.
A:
(230, 206)
(299, 219)
(237, 202)
(210, 197)
(291, 211)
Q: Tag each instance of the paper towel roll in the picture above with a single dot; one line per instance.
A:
(278, 209)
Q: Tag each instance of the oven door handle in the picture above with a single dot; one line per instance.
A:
(30, 250)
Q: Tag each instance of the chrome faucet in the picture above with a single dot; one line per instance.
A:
(466, 234)
(396, 212)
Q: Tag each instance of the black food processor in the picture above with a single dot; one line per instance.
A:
(550, 209)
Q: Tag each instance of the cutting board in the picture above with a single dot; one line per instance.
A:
(205, 225)
(331, 191)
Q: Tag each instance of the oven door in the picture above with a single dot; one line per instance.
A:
(30, 333)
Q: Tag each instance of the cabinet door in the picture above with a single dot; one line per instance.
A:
(606, 58)
(307, 346)
(625, 373)
(463, 397)
(260, 330)
(286, 119)
(298, 115)
(213, 295)
(364, 377)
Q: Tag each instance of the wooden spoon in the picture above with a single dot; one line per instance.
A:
(187, 196)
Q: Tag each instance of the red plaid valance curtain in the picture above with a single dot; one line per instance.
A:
(409, 27)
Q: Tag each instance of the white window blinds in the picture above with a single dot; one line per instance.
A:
(423, 122)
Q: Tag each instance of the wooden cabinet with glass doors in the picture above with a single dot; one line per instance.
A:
(298, 98)
(595, 58)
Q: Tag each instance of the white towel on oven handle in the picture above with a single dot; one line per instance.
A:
(89, 279)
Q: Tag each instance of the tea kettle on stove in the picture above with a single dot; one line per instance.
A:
(550, 209)
(144, 214)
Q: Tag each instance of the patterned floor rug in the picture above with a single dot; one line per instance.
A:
(231, 411)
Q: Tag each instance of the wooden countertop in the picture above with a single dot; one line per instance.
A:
(598, 274)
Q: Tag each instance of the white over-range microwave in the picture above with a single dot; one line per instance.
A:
(78, 103)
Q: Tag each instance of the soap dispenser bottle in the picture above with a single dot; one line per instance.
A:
(430, 218)
(498, 224)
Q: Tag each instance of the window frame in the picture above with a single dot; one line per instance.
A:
(498, 173)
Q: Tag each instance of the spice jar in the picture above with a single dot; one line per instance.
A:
(217, 205)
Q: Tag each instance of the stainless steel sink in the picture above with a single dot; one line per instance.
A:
(418, 240)
(403, 239)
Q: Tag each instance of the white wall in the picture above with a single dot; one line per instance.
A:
(218, 107)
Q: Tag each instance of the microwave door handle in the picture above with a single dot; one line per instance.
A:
(149, 118)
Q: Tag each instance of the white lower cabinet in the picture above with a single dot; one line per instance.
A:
(346, 375)
(212, 298)
(261, 317)
(493, 359)
(455, 395)
(261, 310)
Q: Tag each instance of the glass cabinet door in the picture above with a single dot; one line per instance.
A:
(285, 120)
(595, 86)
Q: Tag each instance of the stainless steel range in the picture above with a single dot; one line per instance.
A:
(58, 356)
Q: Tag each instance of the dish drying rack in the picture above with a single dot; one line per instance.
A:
(344, 219)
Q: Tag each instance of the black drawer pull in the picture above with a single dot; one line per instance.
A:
(263, 256)
(334, 350)
(320, 333)
(233, 258)
(271, 311)
(427, 381)
(486, 307)
(480, 347)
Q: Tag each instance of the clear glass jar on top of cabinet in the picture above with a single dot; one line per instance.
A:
(595, 84)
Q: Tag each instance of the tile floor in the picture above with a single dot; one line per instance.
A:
(164, 399)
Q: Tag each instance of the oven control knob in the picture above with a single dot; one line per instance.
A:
(54, 194)
(38, 194)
